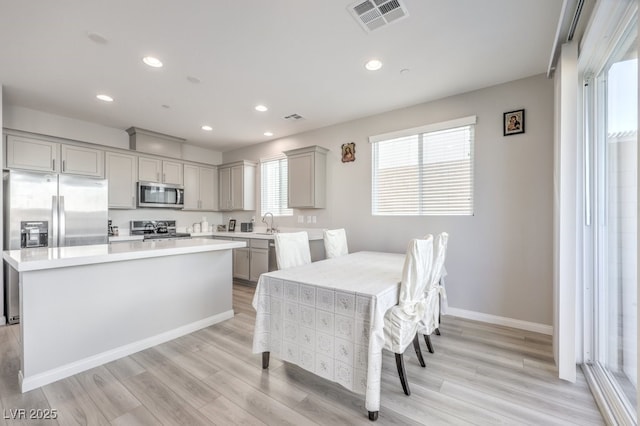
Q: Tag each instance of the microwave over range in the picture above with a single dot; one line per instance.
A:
(152, 194)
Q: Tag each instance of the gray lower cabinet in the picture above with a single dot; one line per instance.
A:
(241, 259)
(259, 261)
(251, 261)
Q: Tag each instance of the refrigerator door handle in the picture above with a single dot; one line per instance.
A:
(53, 229)
(62, 229)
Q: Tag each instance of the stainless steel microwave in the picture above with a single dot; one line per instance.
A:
(152, 194)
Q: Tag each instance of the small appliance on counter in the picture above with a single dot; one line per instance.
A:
(113, 230)
(157, 230)
(246, 226)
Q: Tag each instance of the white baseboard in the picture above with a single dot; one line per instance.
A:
(3, 321)
(50, 376)
(494, 319)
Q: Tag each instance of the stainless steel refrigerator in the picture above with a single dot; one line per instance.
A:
(53, 211)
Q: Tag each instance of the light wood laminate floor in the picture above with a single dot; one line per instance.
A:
(479, 375)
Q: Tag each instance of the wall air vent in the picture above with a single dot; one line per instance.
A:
(374, 14)
(294, 117)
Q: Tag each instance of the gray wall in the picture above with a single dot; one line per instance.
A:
(499, 260)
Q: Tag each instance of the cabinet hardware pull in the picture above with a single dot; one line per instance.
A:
(164, 177)
(53, 162)
(63, 163)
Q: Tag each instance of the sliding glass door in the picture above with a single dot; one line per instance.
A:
(613, 354)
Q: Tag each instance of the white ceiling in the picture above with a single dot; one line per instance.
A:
(305, 57)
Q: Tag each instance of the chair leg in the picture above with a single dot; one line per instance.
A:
(402, 374)
(439, 311)
(265, 359)
(416, 346)
(427, 340)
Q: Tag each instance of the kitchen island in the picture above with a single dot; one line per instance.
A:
(84, 306)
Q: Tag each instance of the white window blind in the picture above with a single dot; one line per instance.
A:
(274, 187)
(428, 173)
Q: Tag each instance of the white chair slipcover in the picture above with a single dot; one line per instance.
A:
(335, 243)
(401, 321)
(431, 319)
(292, 249)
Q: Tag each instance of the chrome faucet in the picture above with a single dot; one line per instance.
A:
(270, 228)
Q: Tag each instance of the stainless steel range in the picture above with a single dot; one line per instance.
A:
(157, 230)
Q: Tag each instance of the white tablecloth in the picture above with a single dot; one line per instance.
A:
(328, 316)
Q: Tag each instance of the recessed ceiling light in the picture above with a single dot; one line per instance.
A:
(268, 134)
(373, 65)
(152, 62)
(261, 108)
(105, 98)
(207, 128)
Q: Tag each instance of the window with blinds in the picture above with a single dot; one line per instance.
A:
(425, 171)
(274, 187)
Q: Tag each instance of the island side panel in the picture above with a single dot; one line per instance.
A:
(76, 318)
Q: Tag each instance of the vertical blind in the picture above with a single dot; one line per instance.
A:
(274, 187)
(424, 174)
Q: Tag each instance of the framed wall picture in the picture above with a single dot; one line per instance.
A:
(348, 152)
(513, 122)
(232, 225)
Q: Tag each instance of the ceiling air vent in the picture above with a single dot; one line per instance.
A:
(294, 117)
(374, 14)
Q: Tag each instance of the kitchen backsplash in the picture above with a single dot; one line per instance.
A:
(121, 218)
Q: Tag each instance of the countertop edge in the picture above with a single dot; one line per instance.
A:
(53, 263)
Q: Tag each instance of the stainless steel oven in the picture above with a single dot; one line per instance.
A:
(152, 194)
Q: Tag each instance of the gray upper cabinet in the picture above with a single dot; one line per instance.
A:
(307, 175)
(237, 186)
(47, 156)
(162, 171)
(78, 160)
(121, 171)
(200, 188)
(32, 154)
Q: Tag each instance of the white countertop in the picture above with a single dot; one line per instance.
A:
(119, 238)
(59, 257)
(313, 235)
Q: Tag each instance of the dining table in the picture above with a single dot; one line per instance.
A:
(328, 318)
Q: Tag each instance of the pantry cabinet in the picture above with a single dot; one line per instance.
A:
(307, 169)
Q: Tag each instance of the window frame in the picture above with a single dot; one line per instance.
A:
(420, 132)
(282, 210)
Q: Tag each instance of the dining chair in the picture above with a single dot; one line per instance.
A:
(335, 243)
(431, 319)
(401, 321)
(292, 249)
